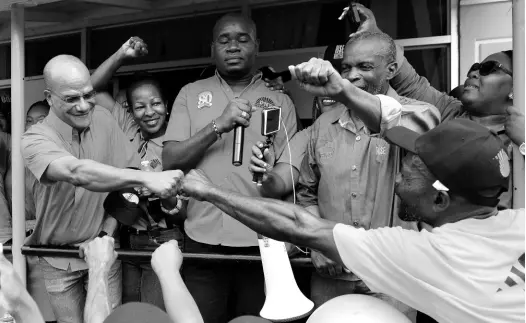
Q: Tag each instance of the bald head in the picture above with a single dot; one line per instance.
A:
(63, 70)
(237, 18)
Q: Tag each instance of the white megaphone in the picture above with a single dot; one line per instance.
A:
(284, 301)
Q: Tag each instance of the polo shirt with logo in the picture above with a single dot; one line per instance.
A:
(194, 108)
(66, 214)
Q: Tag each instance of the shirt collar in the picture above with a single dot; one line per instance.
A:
(258, 76)
(158, 140)
(62, 128)
(494, 123)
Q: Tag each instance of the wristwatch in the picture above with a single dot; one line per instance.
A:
(522, 149)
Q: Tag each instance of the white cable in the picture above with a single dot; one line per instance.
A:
(292, 176)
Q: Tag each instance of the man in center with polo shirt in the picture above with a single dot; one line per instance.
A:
(200, 135)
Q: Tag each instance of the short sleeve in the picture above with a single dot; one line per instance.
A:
(298, 147)
(307, 191)
(288, 116)
(39, 151)
(125, 120)
(179, 125)
(392, 261)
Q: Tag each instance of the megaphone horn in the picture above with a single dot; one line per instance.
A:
(284, 301)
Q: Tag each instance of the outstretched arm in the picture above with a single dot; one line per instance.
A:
(272, 218)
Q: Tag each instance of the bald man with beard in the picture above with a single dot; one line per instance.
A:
(77, 155)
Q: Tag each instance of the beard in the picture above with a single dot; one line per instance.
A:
(408, 213)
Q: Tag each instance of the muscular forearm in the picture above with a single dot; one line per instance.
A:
(105, 71)
(98, 306)
(365, 105)
(186, 154)
(272, 218)
(98, 177)
(178, 302)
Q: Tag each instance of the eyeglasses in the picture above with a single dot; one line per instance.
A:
(489, 67)
(76, 99)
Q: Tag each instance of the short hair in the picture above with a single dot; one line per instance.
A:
(139, 80)
(42, 103)
(388, 53)
(234, 16)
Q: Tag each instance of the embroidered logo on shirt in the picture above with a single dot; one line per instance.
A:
(264, 103)
(338, 52)
(504, 164)
(326, 150)
(381, 150)
(204, 100)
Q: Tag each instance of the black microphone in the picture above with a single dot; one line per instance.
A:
(237, 150)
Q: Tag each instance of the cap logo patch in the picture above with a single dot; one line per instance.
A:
(204, 100)
(504, 164)
(338, 52)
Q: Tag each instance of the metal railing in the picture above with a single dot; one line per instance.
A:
(72, 252)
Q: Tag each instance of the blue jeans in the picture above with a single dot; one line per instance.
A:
(139, 281)
(324, 289)
(67, 290)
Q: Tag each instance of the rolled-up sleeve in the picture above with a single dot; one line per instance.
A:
(415, 115)
(307, 192)
(179, 125)
(39, 152)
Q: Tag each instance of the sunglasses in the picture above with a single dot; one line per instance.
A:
(489, 67)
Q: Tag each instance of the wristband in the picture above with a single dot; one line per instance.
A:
(173, 211)
(102, 234)
(216, 129)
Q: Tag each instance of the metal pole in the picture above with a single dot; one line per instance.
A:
(519, 92)
(17, 129)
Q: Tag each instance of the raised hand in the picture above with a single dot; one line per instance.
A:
(196, 184)
(237, 112)
(319, 78)
(368, 21)
(134, 47)
(99, 253)
(167, 258)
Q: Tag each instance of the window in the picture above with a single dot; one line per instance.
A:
(39, 52)
(433, 63)
(316, 23)
(167, 40)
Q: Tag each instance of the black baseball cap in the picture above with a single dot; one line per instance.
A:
(138, 313)
(465, 157)
(334, 54)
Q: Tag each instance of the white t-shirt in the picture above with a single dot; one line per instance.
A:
(468, 271)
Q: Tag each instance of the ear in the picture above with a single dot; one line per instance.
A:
(47, 95)
(391, 70)
(212, 50)
(441, 201)
(510, 96)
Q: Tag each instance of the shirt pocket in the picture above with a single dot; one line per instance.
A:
(325, 151)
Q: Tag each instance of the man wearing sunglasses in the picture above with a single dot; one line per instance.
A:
(76, 155)
(486, 98)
